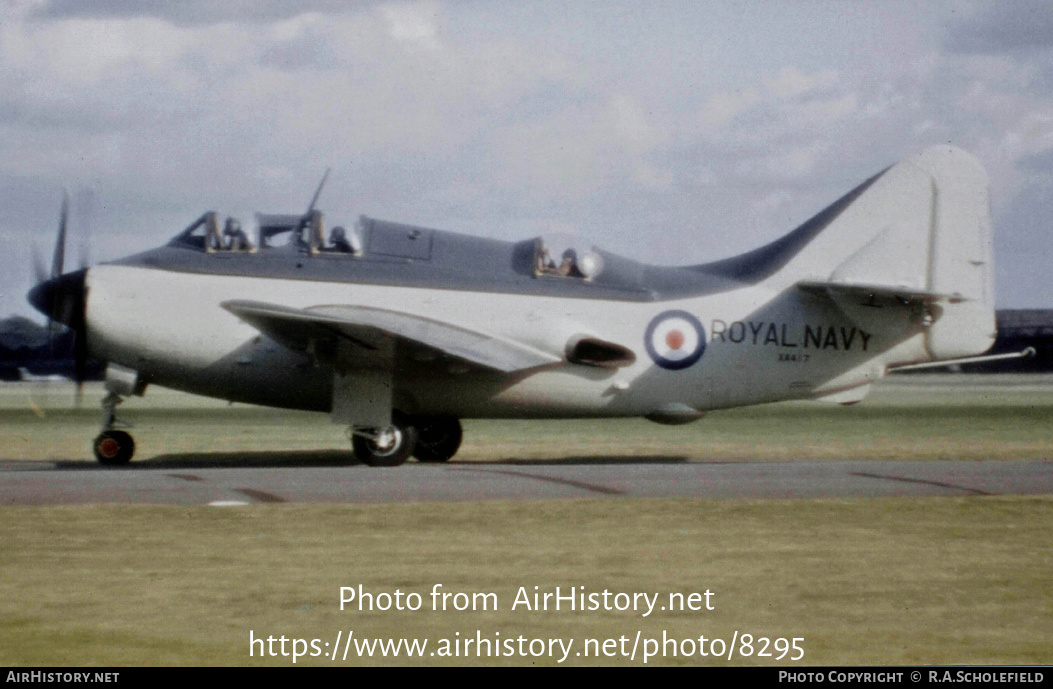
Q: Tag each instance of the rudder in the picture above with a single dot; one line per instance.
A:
(960, 255)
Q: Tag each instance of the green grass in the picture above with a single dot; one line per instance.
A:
(990, 417)
(882, 581)
(876, 581)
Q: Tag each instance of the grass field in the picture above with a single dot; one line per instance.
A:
(861, 581)
(917, 417)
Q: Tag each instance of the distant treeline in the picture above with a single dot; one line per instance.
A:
(26, 346)
(1019, 329)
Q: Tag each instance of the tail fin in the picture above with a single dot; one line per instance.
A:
(960, 256)
(920, 228)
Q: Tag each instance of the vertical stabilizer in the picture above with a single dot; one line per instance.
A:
(960, 258)
(919, 232)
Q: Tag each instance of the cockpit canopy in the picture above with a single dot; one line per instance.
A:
(554, 255)
(289, 232)
(566, 255)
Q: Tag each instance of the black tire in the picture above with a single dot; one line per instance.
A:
(438, 438)
(113, 448)
(370, 453)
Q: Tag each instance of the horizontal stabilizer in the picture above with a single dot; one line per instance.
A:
(362, 326)
(878, 295)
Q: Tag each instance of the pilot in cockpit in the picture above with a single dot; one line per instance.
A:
(338, 241)
(568, 265)
(234, 237)
(543, 262)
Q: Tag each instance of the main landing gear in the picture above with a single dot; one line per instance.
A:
(112, 446)
(429, 439)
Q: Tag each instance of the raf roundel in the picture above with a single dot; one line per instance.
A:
(675, 340)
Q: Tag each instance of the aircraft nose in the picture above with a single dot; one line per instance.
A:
(61, 298)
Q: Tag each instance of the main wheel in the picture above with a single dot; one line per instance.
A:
(385, 447)
(438, 438)
(113, 448)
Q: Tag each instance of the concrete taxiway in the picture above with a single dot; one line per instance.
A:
(187, 483)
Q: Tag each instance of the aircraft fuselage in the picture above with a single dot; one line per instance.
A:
(758, 346)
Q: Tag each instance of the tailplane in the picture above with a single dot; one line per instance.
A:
(917, 234)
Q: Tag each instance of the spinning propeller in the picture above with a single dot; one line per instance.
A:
(62, 297)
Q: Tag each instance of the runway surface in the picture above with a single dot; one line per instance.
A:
(51, 483)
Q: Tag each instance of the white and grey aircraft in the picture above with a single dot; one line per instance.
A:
(400, 331)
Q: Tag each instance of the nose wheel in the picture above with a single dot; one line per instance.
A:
(112, 446)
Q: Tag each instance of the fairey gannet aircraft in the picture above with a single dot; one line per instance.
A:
(400, 331)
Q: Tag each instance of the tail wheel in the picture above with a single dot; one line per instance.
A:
(385, 447)
(438, 438)
(114, 447)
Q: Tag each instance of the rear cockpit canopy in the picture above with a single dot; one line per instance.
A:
(566, 255)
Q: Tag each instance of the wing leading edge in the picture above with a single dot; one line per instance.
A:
(368, 328)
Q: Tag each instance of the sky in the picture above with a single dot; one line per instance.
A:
(672, 132)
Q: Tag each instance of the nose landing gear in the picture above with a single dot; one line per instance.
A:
(112, 447)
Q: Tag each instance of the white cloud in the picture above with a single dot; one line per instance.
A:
(794, 163)
(632, 126)
(791, 82)
(720, 109)
(413, 23)
(653, 177)
(79, 53)
(500, 119)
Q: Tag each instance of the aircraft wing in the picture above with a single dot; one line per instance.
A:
(367, 328)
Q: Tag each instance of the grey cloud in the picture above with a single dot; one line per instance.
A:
(1022, 243)
(1041, 163)
(34, 113)
(192, 12)
(1000, 27)
(301, 53)
(502, 124)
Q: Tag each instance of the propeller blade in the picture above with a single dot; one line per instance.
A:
(62, 297)
(59, 258)
(80, 362)
(85, 206)
(51, 337)
(40, 272)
